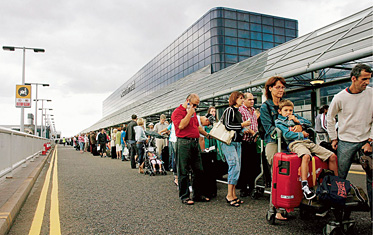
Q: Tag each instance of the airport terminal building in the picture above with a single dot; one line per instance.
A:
(232, 50)
(220, 38)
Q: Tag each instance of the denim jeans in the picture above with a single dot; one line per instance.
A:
(189, 159)
(81, 145)
(232, 154)
(172, 153)
(140, 151)
(345, 153)
(123, 146)
(132, 149)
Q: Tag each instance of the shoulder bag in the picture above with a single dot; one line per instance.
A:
(220, 133)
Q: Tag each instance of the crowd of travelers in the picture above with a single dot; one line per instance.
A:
(182, 140)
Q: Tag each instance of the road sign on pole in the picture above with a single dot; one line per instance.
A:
(23, 96)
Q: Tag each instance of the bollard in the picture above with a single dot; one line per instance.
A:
(44, 152)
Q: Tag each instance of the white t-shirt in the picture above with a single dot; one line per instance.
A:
(199, 121)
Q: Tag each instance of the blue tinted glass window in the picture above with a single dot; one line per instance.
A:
(243, 25)
(244, 51)
(280, 31)
(255, 27)
(207, 60)
(201, 47)
(290, 24)
(216, 31)
(290, 33)
(231, 49)
(256, 35)
(231, 32)
(231, 41)
(243, 34)
(214, 23)
(279, 22)
(217, 49)
(255, 51)
(255, 18)
(217, 40)
(256, 44)
(289, 38)
(243, 16)
(230, 23)
(267, 20)
(267, 45)
(231, 58)
(230, 15)
(267, 29)
(243, 42)
(279, 39)
(241, 58)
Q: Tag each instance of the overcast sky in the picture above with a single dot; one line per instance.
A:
(92, 47)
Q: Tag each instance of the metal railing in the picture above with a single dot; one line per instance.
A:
(16, 148)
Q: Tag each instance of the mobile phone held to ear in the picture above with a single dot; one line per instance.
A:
(188, 106)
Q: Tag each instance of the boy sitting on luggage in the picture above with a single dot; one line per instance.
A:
(154, 160)
(299, 144)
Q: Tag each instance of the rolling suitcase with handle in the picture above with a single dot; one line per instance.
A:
(286, 187)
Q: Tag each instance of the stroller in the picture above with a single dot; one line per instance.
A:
(152, 163)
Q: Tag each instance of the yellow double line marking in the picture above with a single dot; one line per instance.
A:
(37, 222)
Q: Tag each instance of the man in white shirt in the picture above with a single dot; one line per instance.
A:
(159, 142)
(354, 107)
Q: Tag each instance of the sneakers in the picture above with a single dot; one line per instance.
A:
(308, 194)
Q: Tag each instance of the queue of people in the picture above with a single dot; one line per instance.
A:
(187, 136)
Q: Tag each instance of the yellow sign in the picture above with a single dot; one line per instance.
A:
(23, 96)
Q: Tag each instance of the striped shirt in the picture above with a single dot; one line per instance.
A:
(249, 114)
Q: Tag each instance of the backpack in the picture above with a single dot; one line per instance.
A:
(333, 190)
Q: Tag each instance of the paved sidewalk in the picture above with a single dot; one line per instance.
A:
(14, 191)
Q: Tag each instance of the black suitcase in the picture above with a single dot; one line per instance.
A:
(113, 152)
(209, 174)
(94, 150)
(165, 158)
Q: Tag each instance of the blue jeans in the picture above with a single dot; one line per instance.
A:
(345, 153)
(140, 151)
(172, 152)
(232, 154)
(81, 144)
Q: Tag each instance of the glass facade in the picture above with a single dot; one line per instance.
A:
(220, 38)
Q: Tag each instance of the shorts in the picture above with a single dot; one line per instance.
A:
(119, 147)
(302, 147)
(155, 161)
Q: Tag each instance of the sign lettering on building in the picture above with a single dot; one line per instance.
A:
(129, 88)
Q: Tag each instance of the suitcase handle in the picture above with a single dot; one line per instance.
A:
(284, 167)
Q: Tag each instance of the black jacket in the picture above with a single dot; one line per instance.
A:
(130, 132)
(102, 138)
(232, 120)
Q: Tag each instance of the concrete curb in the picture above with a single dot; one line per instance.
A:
(11, 208)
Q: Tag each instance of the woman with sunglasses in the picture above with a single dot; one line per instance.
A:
(232, 120)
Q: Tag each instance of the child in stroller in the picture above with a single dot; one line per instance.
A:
(151, 158)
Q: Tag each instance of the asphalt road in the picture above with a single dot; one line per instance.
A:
(105, 196)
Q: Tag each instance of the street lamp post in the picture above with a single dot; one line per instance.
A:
(42, 108)
(36, 50)
(36, 104)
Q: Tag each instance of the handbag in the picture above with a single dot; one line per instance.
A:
(125, 151)
(220, 133)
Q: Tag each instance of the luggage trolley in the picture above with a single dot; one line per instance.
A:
(285, 167)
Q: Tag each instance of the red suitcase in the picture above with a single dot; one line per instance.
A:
(286, 187)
